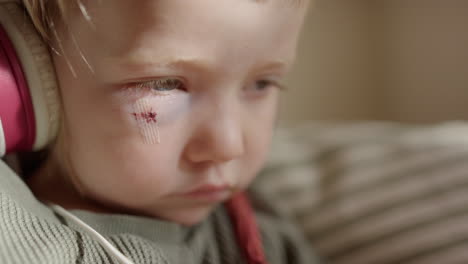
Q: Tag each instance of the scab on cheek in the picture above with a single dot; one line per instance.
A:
(147, 121)
(149, 117)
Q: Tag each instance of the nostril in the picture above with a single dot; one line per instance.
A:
(201, 166)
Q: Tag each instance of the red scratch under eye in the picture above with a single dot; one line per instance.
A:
(148, 117)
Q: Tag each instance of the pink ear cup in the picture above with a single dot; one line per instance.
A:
(16, 110)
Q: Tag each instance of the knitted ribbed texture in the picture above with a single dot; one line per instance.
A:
(26, 237)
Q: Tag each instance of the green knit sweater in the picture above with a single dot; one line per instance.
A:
(30, 232)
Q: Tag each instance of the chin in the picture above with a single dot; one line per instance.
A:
(187, 217)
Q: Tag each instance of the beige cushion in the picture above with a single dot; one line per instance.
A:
(375, 192)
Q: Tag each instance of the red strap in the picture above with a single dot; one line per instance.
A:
(245, 228)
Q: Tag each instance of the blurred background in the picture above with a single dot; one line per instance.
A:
(397, 60)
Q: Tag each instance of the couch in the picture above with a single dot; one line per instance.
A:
(374, 192)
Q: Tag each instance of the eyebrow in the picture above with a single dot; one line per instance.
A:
(190, 63)
(186, 62)
(193, 63)
(297, 3)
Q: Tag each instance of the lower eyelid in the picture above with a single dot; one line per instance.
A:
(131, 91)
(159, 93)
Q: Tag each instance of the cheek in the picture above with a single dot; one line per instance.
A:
(153, 137)
(128, 168)
(260, 131)
(146, 119)
(151, 117)
(124, 144)
(260, 145)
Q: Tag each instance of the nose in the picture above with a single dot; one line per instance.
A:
(219, 134)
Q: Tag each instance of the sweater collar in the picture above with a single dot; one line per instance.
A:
(149, 228)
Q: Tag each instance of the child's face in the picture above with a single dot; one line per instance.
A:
(181, 102)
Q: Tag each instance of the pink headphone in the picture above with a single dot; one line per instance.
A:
(29, 104)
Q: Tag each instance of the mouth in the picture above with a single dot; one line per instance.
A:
(209, 193)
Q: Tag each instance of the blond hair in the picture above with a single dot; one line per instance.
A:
(43, 12)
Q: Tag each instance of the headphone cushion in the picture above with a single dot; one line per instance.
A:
(38, 70)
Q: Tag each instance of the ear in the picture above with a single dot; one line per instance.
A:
(29, 101)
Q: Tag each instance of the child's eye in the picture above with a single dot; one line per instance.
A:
(161, 85)
(262, 86)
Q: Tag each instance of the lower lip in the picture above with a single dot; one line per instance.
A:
(209, 196)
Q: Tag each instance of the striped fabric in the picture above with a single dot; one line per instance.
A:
(375, 192)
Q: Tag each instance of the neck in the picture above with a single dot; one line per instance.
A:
(51, 184)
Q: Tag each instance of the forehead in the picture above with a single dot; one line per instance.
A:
(143, 7)
(221, 29)
(292, 2)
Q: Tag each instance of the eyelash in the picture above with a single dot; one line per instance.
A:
(269, 83)
(163, 86)
(155, 87)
